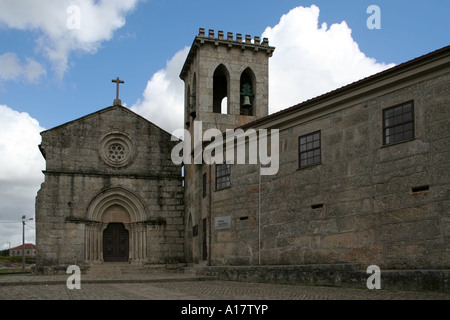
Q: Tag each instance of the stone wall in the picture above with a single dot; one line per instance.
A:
(336, 275)
(361, 204)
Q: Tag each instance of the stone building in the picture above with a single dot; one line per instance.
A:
(363, 170)
(111, 193)
(363, 173)
(28, 251)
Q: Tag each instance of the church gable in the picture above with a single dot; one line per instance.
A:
(110, 192)
(112, 140)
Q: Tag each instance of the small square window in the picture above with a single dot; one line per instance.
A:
(398, 123)
(309, 149)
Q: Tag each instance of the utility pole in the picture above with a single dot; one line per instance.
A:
(23, 241)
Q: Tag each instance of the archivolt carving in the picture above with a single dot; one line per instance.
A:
(120, 197)
(116, 205)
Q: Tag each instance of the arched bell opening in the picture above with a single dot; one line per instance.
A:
(247, 93)
(220, 90)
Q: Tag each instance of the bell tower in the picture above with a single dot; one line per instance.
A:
(226, 86)
(226, 80)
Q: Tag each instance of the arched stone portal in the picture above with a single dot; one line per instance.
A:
(120, 215)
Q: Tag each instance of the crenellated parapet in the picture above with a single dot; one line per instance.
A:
(229, 41)
(246, 42)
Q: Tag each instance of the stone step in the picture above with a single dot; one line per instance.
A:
(113, 268)
(133, 270)
(126, 268)
(190, 271)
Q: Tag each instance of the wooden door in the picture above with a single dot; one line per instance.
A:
(115, 243)
(205, 246)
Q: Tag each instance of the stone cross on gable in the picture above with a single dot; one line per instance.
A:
(117, 101)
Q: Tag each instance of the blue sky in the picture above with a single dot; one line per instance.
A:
(51, 75)
(156, 30)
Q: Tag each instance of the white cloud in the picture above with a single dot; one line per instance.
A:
(163, 98)
(21, 164)
(310, 60)
(12, 69)
(33, 70)
(55, 40)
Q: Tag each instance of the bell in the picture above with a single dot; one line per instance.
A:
(246, 103)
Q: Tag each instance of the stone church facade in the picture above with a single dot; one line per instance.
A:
(111, 193)
(363, 173)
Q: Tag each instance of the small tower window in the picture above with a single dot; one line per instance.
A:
(220, 89)
(193, 98)
(247, 92)
(188, 109)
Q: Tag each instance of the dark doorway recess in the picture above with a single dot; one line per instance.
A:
(115, 243)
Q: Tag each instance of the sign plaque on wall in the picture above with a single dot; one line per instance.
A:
(221, 223)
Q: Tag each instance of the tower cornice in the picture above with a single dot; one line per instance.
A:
(244, 43)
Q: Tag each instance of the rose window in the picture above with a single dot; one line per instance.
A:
(116, 149)
(116, 152)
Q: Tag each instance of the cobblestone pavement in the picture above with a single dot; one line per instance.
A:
(171, 287)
